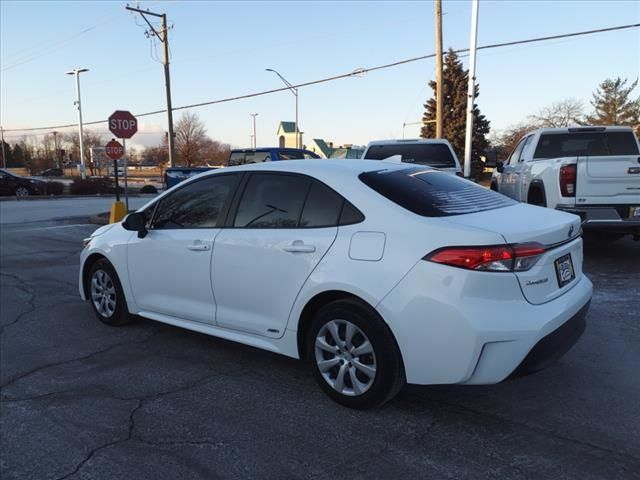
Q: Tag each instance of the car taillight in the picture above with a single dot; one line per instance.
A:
(568, 180)
(498, 258)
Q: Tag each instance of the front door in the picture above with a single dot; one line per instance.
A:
(170, 268)
(282, 227)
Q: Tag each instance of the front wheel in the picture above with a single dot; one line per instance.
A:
(22, 192)
(354, 356)
(106, 294)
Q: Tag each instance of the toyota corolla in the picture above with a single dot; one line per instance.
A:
(378, 274)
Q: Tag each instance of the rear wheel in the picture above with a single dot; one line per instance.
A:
(354, 356)
(536, 197)
(106, 294)
(22, 191)
(494, 186)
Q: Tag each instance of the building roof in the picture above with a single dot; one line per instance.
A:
(324, 148)
(287, 127)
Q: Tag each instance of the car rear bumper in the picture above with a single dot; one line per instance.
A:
(554, 345)
(605, 217)
(458, 327)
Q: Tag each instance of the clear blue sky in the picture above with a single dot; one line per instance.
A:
(221, 49)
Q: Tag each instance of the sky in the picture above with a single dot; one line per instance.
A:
(221, 49)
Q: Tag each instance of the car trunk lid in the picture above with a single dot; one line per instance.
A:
(559, 268)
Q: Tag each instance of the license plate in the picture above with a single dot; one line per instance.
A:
(634, 212)
(564, 270)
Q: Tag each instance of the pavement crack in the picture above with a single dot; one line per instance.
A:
(31, 302)
(76, 359)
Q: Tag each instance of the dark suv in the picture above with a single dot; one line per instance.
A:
(11, 184)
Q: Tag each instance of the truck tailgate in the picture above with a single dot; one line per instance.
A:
(608, 180)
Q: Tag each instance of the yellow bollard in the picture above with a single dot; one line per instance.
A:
(118, 212)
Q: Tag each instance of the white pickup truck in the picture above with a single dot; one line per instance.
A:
(593, 172)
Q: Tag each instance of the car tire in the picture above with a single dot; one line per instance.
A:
(362, 368)
(106, 295)
(22, 191)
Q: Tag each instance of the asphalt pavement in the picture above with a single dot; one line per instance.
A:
(82, 400)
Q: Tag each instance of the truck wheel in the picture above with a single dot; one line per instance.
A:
(494, 186)
(536, 197)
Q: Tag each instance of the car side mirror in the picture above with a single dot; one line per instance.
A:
(136, 222)
(500, 166)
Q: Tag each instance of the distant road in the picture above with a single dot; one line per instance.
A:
(21, 211)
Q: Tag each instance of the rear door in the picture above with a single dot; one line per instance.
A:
(281, 227)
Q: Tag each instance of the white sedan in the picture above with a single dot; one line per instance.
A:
(377, 273)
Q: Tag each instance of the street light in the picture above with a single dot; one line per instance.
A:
(76, 72)
(293, 90)
(255, 140)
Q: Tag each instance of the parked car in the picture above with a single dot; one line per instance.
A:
(52, 172)
(593, 172)
(377, 273)
(175, 175)
(259, 155)
(436, 153)
(11, 184)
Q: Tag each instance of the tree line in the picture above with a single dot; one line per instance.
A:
(192, 144)
(613, 103)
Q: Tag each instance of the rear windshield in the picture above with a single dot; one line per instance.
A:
(432, 154)
(596, 144)
(431, 193)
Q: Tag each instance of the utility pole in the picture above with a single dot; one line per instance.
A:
(471, 89)
(255, 139)
(55, 147)
(438, 69)
(76, 72)
(4, 160)
(163, 35)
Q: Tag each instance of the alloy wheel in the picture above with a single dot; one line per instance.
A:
(345, 357)
(22, 192)
(103, 293)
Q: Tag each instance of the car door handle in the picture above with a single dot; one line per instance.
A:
(298, 246)
(198, 246)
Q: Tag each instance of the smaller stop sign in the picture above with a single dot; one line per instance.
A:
(122, 124)
(114, 150)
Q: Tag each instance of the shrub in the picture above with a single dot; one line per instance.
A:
(148, 189)
(54, 188)
(91, 186)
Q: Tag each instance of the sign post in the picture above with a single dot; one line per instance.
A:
(114, 150)
(123, 125)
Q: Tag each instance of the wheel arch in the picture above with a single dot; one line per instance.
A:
(537, 193)
(321, 299)
(86, 268)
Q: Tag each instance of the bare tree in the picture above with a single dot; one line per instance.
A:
(214, 152)
(190, 136)
(564, 113)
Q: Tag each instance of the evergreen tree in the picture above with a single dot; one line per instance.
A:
(454, 114)
(612, 104)
(17, 157)
(6, 151)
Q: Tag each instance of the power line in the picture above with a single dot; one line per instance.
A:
(355, 73)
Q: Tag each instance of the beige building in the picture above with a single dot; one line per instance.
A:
(287, 135)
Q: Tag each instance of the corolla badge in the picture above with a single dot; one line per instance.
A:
(570, 231)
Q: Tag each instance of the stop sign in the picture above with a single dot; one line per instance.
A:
(114, 150)
(122, 124)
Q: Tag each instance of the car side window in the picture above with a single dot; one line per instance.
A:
(322, 207)
(515, 156)
(526, 143)
(196, 205)
(272, 201)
